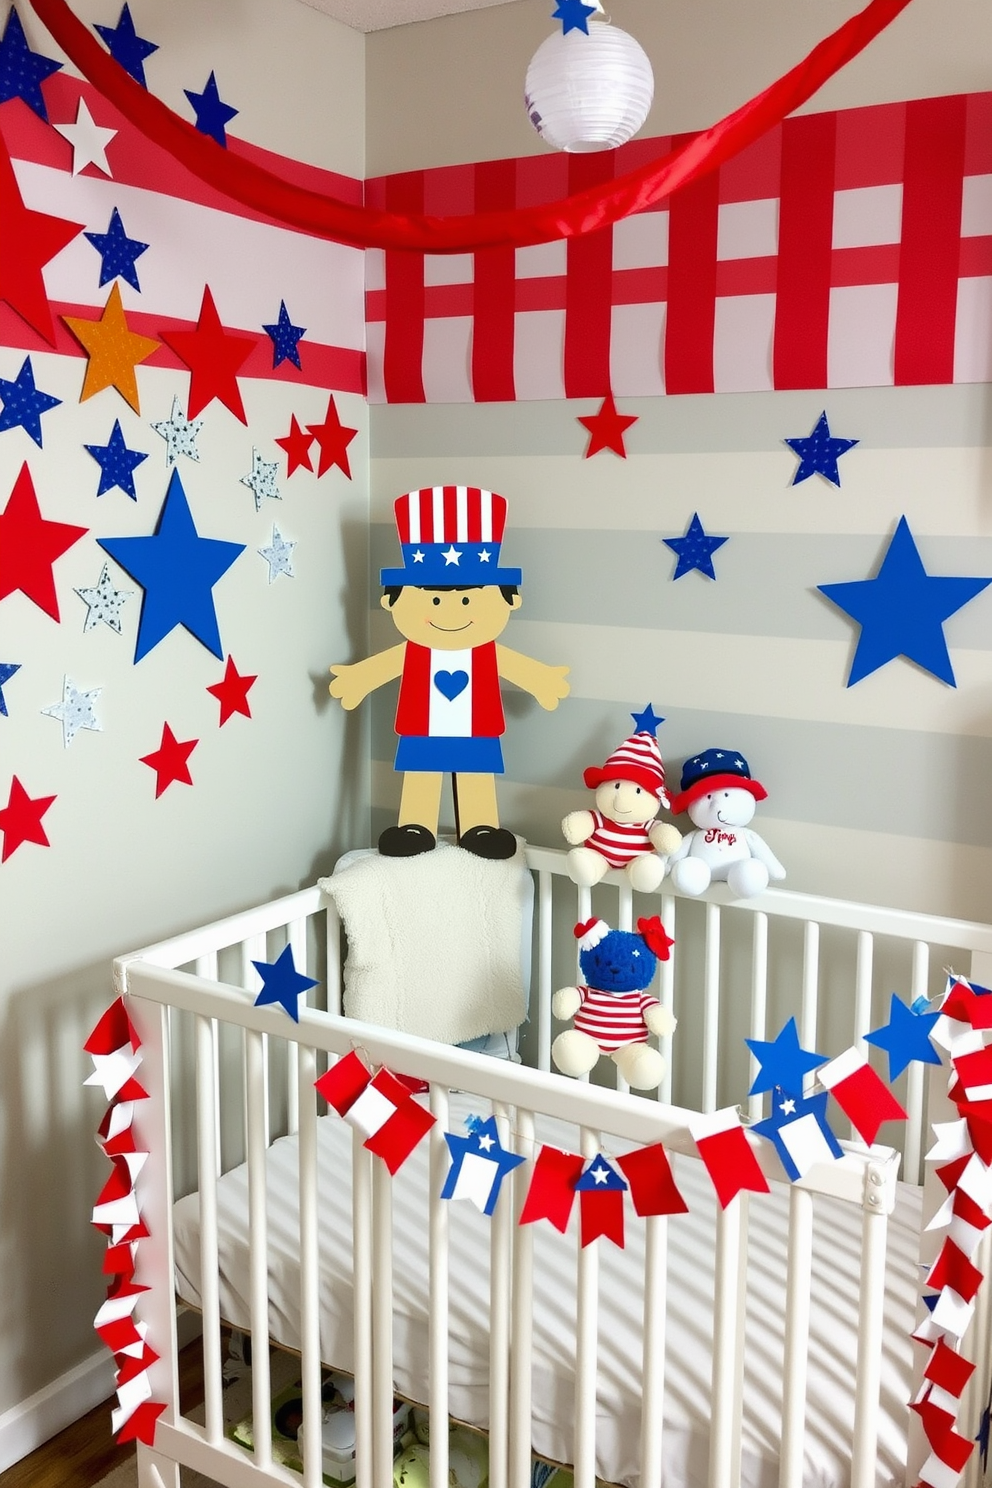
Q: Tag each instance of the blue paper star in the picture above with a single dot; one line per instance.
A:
(647, 722)
(600, 1177)
(818, 453)
(23, 403)
(117, 463)
(282, 983)
(695, 550)
(127, 47)
(211, 113)
(117, 252)
(786, 1111)
(285, 336)
(782, 1062)
(177, 570)
(482, 1145)
(902, 610)
(7, 670)
(574, 16)
(984, 1427)
(905, 1038)
(23, 71)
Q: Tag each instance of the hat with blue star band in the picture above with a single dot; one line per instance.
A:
(714, 769)
(450, 537)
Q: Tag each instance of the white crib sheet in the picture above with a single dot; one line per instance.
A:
(689, 1321)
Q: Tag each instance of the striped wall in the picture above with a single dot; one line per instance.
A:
(879, 791)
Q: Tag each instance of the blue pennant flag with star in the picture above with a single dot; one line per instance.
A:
(117, 463)
(117, 252)
(819, 452)
(282, 983)
(479, 1163)
(905, 1038)
(23, 71)
(800, 1131)
(694, 550)
(23, 403)
(782, 1063)
(128, 48)
(212, 115)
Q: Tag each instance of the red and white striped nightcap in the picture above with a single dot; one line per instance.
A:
(638, 759)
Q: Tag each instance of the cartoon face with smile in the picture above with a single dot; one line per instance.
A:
(450, 619)
(732, 807)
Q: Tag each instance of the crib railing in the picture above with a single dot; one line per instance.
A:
(155, 984)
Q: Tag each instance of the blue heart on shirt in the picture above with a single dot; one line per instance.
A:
(450, 684)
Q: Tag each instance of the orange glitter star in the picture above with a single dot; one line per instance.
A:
(113, 349)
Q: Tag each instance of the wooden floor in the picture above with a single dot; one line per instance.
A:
(85, 1452)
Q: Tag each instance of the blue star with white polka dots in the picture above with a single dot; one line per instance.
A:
(285, 337)
(23, 71)
(694, 550)
(117, 463)
(211, 113)
(127, 47)
(7, 670)
(819, 452)
(23, 403)
(117, 252)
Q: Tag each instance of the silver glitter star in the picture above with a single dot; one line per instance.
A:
(75, 710)
(104, 603)
(180, 434)
(261, 480)
(279, 555)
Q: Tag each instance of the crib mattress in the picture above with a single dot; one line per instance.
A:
(691, 1248)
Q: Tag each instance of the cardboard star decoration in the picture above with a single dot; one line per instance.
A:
(89, 140)
(169, 761)
(782, 1063)
(282, 983)
(212, 114)
(113, 350)
(20, 819)
(180, 435)
(117, 463)
(103, 602)
(23, 403)
(7, 670)
(127, 47)
(695, 550)
(819, 452)
(285, 338)
(213, 356)
(23, 71)
(117, 252)
(606, 428)
(30, 545)
(906, 1037)
(333, 439)
(297, 444)
(279, 556)
(232, 692)
(75, 711)
(30, 241)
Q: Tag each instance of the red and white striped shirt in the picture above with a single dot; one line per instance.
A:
(613, 1019)
(617, 842)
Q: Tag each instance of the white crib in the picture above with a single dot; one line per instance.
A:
(618, 1389)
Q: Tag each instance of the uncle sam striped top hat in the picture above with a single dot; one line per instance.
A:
(449, 536)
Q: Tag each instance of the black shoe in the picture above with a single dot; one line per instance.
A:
(489, 842)
(406, 841)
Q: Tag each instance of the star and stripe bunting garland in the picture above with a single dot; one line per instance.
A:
(379, 1105)
(115, 1049)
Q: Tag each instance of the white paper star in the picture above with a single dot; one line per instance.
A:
(75, 710)
(261, 480)
(788, 1106)
(451, 554)
(279, 555)
(486, 1143)
(104, 603)
(180, 434)
(600, 1175)
(89, 141)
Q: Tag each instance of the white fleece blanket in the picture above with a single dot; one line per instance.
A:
(434, 942)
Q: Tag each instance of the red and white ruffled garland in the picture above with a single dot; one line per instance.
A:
(115, 1048)
(963, 1154)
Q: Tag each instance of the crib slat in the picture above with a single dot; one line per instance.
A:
(522, 1330)
(206, 966)
(811, 980)
(439, 1255)
(862, 985)
(501, 1243)
(724, 1464)
(797, 1315)
(653, 1367)
(711, 1007)
(253, 949)
(206, 1136)
(915, 1074)
(871, 1300)
(306, 1068)
(667, 988)
(545, 945)
(297, 941)
(332, 941)
(625, 908)
(361, 1261)
(258, 1249)
(587, 1313)
(759, 1000)
(382, 1322)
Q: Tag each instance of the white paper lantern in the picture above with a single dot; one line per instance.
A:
(588, 92)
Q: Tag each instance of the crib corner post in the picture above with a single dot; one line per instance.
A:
(155, 1471)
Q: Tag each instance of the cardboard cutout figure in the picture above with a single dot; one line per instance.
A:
(450, 601)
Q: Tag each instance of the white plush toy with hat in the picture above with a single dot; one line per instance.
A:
(623, 831)
(720, 796)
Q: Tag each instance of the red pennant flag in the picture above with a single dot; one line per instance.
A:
(865, 1099)
(727, 1154)
(601, 1214)
(113, 1031)
(966, 1208)
(118, 1260)
(141, 1425)
(130, 1367)
(398, 1136)
(119, 1334)
(552, 1188)
(951, 1172)
(344, 1082)
(979, 1119)
(952, 1268)
(381, 1106)
(974, 1070)
(966, 1006)
(652, 1186)
(948, 1370)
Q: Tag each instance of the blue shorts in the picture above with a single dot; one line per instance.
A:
(482, 756)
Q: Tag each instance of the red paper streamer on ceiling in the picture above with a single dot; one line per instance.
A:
(366, 227)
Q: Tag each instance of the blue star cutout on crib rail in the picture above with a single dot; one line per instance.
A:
(177, 568)
(23, 403)
(285, 337)
(211, 113)
(479, 1163)
(800, 1132)
(574, 16)
(694, 550)
(902, 610)
(7, 670)
(647, 722)
(23, 71)
(117, 252)
(127, 47)
(117, 463)
(782, 1062)
(282, 983)
(819, 452)
(905, 1038)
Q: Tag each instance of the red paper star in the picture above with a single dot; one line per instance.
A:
(30, 544)
(30, 239)
(606, 428)
(20, 819)
(333, 438)
(141, 1425)
(213, 357)
(169, 760)
(232, 692)
(297, 446)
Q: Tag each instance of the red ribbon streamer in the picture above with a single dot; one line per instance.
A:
(365, 227)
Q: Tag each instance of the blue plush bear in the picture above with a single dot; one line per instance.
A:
(613, 1013)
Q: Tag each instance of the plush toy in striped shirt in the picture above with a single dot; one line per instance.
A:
(623, 831)
(612, 1011)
